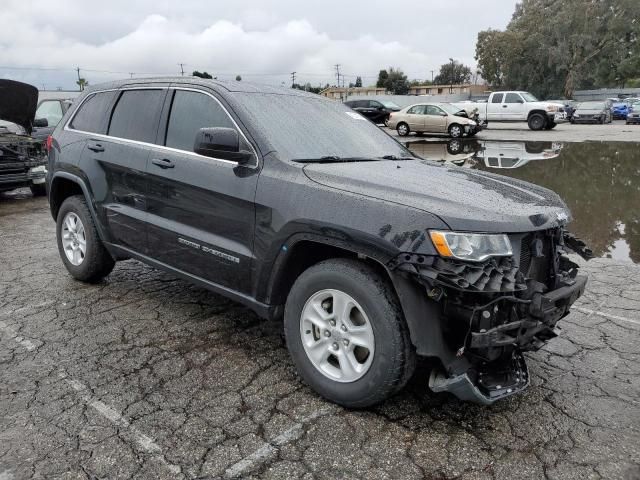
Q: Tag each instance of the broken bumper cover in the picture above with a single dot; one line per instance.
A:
(489, 387)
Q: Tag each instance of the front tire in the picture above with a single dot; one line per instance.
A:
(456, 131)
(537, 121)
(79, 245)
(403, 129)
(346, 333)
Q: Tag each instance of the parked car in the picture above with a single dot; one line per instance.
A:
(634, 113)
(22, 158)
(51, 110)
(518, 107)
(619, 110)
(375, 110)
(370, 255)
(442, 118)
(592, 112)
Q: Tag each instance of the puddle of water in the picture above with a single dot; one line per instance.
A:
(600, 182)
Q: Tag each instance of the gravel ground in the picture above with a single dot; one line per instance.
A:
(616, 131)
(146, 376)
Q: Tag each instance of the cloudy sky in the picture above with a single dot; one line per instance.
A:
(263, 41)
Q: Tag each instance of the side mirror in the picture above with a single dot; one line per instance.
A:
(444, 114)
(223, 143)
(40, 123)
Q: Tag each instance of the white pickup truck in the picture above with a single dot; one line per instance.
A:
(517, 107)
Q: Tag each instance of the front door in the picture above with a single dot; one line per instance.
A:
(435, 119)
(201, 209)
(513, 107)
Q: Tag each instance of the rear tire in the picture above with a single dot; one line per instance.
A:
(403, 129)
(75, 226)
(39, 190)
(384, 368)
(536, 121)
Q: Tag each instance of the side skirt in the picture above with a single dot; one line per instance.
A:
(263, 310)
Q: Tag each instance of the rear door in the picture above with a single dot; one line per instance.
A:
(116, 164)
(201, 209)
(415, 118)
(495, 107)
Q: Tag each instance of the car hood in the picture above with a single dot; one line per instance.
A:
(589, 111)
(18, 102)
(464, 199)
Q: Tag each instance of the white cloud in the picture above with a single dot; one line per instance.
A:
(261, 44)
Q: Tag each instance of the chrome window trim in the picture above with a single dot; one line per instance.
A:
(68, 128)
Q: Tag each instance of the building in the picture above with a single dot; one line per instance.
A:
(465, 89)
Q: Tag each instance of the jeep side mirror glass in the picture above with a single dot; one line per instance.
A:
(223, 143)
(40, 123)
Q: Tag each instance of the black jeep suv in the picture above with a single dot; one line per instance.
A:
(371, 255)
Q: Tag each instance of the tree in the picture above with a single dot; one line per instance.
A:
(552, 48)
(82, 83)
(454, 73)
(383, 75)
(396, 82)
(196, 73)
(238, 78)
(358, 82)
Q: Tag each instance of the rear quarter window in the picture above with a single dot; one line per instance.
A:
(93, 114)
(136, 115)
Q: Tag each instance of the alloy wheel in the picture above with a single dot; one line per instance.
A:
(74, 239)
(337, 335)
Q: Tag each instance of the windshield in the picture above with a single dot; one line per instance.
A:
(306, 127)
(389, 104)
(449, 108)
(591, 106)
(528, 97)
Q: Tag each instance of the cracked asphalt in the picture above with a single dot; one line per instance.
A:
(146, 376)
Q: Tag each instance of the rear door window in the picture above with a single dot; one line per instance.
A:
(93, 114)
(497, 98)
(136, 115)
(191, 111)
(417, 110)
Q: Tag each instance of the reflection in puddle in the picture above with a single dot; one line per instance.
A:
(600, 182)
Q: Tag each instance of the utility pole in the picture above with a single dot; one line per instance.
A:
(337, 66)
(293, 79)
(432, 75)
(181, 68)
(451, 88)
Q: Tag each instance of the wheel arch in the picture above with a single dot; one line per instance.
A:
(298, 255)
(532, 112)
(64, 185)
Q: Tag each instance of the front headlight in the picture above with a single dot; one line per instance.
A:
(473, 247)
(552, 108)
(575, 115)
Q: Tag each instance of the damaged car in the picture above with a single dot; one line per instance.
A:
(22, 157)
(370, 255)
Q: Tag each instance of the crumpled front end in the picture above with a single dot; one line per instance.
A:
(491, 312)
(22, 161)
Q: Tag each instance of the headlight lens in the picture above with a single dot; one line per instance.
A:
(473, 247)
(552, 108)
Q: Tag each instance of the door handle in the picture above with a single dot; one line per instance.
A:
(163, 162)
(504, 106)
(95, 147)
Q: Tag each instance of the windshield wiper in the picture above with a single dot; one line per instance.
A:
(395, 157)
(335, 159)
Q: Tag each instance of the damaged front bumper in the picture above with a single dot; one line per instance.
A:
(489, 313)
